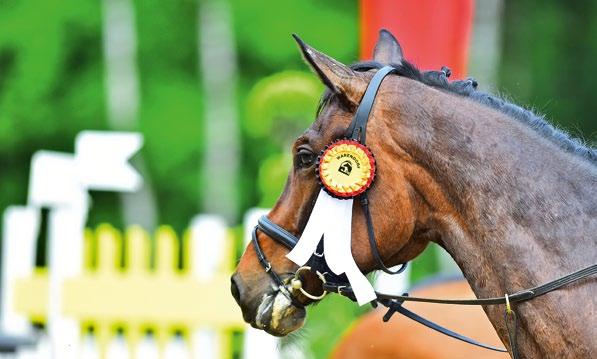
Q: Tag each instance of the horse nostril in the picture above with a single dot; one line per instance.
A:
(234, 289)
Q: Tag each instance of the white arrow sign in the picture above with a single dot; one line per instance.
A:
(102, 160)
(53, 181)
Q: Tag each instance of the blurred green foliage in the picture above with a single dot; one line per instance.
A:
(268, 55)
(170, 114)
(549, 52)
(51, 83)
(280, 104)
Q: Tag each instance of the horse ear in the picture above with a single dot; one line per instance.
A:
(387, 49)
(339, 78)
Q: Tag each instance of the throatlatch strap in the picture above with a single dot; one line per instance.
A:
(373, 242)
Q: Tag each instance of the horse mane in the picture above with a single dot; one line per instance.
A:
(468, 88)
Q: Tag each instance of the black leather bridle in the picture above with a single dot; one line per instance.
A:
(356, 131)
(339, 284)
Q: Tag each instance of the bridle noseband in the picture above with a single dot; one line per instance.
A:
(339, 284)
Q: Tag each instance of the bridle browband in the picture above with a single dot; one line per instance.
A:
(339, 284)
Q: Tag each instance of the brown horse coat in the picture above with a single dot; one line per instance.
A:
(510, 198)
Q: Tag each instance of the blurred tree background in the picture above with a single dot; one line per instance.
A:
(52, 85)
(549, 49)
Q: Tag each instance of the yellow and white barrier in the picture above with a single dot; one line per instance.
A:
(126, 286)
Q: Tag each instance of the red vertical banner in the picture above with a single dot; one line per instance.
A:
(432, 33)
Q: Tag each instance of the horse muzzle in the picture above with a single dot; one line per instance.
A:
(267, 307)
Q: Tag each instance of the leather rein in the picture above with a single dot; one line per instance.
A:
(332, 283)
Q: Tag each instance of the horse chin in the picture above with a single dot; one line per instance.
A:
(277, 315)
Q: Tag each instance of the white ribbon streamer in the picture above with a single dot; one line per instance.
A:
(332, 219)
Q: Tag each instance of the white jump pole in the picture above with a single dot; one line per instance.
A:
(66, 226)
(19, 235)
(54, 184)
(208, 242)
(258, 344)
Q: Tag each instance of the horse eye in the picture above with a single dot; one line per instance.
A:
(304, 158)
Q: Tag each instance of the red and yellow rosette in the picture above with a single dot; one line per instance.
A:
(346, 169)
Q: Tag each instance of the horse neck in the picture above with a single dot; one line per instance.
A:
(522, 212)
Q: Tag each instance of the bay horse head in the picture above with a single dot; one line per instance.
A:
(454, 166)
(400, 236)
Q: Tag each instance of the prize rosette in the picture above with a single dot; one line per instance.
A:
(346, 169)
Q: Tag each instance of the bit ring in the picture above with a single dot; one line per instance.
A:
(298, 284)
